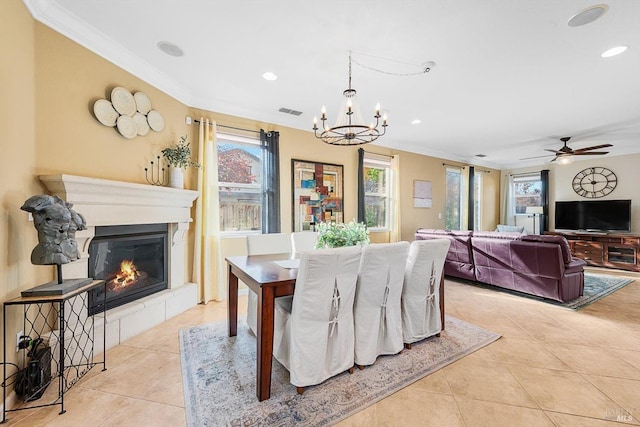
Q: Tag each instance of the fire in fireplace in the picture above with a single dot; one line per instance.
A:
(132, 259)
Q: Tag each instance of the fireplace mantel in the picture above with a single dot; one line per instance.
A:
(105, 202)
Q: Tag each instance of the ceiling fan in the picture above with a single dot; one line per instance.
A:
(565, 154)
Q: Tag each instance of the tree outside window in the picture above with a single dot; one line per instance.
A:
(376, 196)
(239, 181)
(527, 191)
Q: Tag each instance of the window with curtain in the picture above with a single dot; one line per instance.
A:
(455, 198)
(527, 191)
(377, 193)
(477, 200)
(240, 183)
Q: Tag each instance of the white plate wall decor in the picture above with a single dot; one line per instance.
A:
(127, 127)
(105, 113)
(131, 114)
(156, 121)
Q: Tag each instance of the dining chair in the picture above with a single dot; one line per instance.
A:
(303, 241)
(263, 244)
(421, 290)
(378, 323)
(313, 330)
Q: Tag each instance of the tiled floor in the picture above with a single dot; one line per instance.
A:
(552, 367)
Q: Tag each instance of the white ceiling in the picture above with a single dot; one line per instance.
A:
(511, 77)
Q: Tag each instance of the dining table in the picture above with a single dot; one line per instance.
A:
(269, 280)
(269, 276)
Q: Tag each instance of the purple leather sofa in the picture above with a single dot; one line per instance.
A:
(538, 265)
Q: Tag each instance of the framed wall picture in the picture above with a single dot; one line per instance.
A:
(317, 190)
(421, 194)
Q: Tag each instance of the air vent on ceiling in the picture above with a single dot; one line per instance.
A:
(290, 111)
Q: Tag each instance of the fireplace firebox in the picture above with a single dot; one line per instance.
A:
(132, 259)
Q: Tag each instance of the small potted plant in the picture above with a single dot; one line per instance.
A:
(332, 235)
(177, 158)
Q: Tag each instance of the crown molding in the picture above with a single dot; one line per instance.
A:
(61, 20)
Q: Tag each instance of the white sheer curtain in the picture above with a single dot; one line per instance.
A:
(395, 232)
(507, 207)
(207, 268)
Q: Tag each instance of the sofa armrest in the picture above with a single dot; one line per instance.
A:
(575, 266)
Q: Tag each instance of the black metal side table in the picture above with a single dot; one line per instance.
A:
(65, 326)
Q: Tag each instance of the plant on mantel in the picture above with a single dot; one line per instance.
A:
(332, 235)
(180, 155)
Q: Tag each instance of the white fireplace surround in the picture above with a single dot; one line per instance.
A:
(103, 203)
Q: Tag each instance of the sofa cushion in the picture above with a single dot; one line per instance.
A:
(559, 240)
(510, 228)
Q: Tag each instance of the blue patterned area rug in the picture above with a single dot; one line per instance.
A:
(219, 378)
(596, 286)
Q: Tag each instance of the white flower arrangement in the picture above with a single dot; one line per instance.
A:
(332, 235)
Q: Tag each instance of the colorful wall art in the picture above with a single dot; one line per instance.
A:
(317, 194)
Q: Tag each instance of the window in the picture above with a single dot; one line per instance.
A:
(477, 200)
(377, 188)
(527, 191)
(239, 183)
(454, 199)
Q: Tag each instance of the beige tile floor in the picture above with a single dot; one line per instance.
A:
(552, 367)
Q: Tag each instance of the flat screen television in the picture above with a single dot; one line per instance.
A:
(594, 215)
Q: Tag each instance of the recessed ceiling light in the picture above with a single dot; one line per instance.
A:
(614, 51)
(170, 48)
(588, 15)
(269, 76)
(416, 121)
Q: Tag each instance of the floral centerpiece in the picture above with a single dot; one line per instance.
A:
(180, 155)
(332, 235)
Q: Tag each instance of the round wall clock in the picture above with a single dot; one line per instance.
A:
(594, 182)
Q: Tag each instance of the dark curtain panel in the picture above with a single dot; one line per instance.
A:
(472, 198)
(361, 216)
(270, 143)
(544, 198)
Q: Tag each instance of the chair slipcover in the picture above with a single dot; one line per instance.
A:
(421, 291)
(378, 323)
(313, 330)
(303, 241)
(262, 244)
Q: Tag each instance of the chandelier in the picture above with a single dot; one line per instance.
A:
(350, 128)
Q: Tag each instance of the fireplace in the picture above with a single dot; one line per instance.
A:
(133, 261)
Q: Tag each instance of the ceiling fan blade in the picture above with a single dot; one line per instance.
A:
(595, 147)
(553, 151)
(536, 157)
(589, 153)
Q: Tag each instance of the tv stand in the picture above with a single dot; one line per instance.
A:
(601, 249)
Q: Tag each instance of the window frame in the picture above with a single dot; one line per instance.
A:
(374, 162)
(222, 137)
(525, 177)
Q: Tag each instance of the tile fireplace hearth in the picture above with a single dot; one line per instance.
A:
(115, 205)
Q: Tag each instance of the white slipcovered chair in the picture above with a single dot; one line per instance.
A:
(421, 290)
(263, 244)
(303, 241)
(313, 330)
(378, 323)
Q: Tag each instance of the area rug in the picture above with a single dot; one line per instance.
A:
(219, 378)
(596, 286)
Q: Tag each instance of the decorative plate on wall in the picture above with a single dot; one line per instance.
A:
(156, 121)
(142, 102)
(141, 124)
(105, 113)
(127, 127)
(123, 101)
